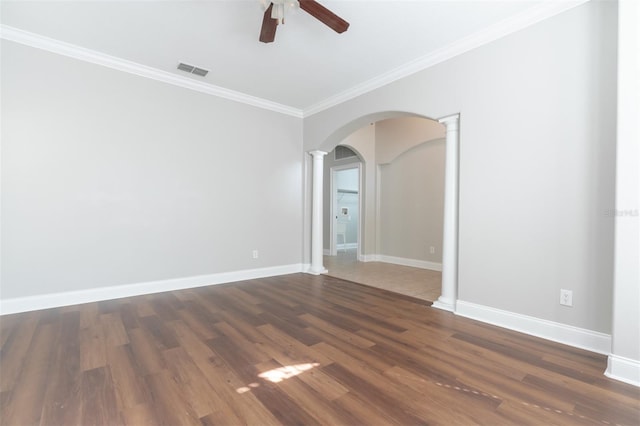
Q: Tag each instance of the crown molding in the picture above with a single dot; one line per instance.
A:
(508, 26)
(501, 29)
(88, 55)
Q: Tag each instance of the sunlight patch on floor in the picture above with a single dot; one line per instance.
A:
(277, 375)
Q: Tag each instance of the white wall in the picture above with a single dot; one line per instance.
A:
(624, 363)
(537, 137)
(110, 179)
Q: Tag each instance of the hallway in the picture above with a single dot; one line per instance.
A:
(415, 282)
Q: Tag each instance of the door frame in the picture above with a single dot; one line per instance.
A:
(333, 204)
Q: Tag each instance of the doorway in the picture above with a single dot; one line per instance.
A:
(345, 208)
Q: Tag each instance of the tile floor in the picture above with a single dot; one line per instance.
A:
(419, 283)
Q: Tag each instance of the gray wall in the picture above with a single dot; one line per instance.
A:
(398, 135)
(412, 203)
(410, 152)
(537, 148)
(109, 178)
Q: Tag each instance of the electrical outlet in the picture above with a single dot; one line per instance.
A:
(432, 249)
(255, 254)
(566, 297)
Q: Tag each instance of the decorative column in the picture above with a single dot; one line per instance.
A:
(447, 300)
(317, 267)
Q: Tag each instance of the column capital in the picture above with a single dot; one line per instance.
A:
(450, 120)
(318, 154)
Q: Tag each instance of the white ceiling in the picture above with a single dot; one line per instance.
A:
(307, 65)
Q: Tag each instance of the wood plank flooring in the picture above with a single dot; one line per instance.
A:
(295, 349)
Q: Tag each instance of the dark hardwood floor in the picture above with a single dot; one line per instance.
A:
(296, 349)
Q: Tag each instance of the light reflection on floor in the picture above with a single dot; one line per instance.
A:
(276, 375)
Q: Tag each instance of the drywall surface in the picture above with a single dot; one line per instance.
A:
(537, 145)
(111, 179)
(397, 135)
(412, 203)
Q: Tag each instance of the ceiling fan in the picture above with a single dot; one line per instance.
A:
(274, 15)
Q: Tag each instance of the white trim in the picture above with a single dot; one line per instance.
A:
(311, 271)
(623, 369)
(378, 206)
(55, 300)
(403, 261)
(449, 289)
(501, 29)
(450, 307)
(317, 235)
(414, 263)
(326, 252)
(557, 332)
(73, 51)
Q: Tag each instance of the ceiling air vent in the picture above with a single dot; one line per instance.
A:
(199, 71)
(192, 70)
(341, 152)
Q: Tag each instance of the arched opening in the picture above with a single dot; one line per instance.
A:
(343, 202)
(376, 149)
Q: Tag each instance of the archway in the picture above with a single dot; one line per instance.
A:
(343, 202)
(448, 296)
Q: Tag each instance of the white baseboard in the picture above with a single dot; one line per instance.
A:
(326, 252)
(557, 332)
(422, 264)
(55, 300)
(368, 258)
(623, 369)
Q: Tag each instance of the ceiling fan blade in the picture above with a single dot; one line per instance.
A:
(324, 15)
(269, 26)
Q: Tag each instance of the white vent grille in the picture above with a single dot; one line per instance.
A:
(341, 152)
(192, 69)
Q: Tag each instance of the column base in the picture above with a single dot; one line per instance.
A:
(444, 304)
(313, 271)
